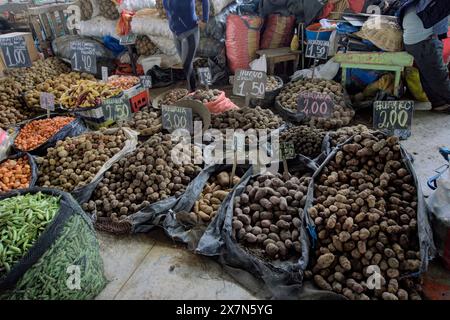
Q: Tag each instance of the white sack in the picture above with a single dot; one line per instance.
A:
(98, 27)
(148, 25)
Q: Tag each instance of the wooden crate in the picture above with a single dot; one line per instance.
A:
(48, 23)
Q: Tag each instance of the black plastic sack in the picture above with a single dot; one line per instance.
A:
(277, 279)
(73, 129)
(288, 115)
(33, 166)
(427, 247)
(42, 272)
(189, 234)
(160, 77)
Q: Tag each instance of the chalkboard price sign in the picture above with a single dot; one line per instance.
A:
(83, 57)
(317, 49)
(204, 74)
(313, 104)
(129, 39)
(174, 118)
(287, 150)
(116, 109)
(392, 115)
(250, 83)
(15, 52)
(146, 81)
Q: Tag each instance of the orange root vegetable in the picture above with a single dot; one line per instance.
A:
(15, 174)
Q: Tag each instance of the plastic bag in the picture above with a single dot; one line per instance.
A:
(73, 129)
(61, 46)
(98, 27)
(31, 162)
(209, 47)
(242, 40)
(151, 26)
(136, 5)
(412, 78)
(385, 83)
(278, 31)
(327, 71)
(68, 243)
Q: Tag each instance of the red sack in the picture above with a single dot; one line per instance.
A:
(278, 32)
(242, 40)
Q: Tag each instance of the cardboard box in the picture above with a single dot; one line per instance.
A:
(34, 54)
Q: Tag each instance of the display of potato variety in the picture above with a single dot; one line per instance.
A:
(87, 94)
(123, 82)
(172, 96)
(73, 162)
(40, 71)
(266, 215)
(108, 9)
(86, 9)
(56, 86)
(205, 96)
(146, 121)
(365, 212)
(247, 118)
(272, 83)
(15, 174)
(341, 115)
(212, 196)
(146, 176)
(11, 111)
(22, 221)
(37, 132)
(343, 134)
(306, 140)
(145, 46)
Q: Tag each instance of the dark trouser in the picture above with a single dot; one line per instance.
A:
(186, 45)
(433, 71)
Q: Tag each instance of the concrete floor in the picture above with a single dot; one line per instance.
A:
(151, 266)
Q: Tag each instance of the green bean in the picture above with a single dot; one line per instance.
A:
(22, 220)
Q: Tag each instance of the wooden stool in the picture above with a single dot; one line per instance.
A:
(278, 55)
(387, 61)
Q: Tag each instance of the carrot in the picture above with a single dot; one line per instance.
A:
(37, 132)
(15, 174)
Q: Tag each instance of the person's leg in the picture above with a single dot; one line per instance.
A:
(189, 49)
(433, 73)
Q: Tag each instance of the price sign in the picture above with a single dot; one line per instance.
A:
(249, 83)
(146, 81)
(239, 142)
(174, 118)
(129, 39)
(313, 104)
(317, 49)
(15, 52)
(105, 74)
(204, 74)
(392, 115)
(47, 101)
(83, 57)
(116, 109)
(287, 150)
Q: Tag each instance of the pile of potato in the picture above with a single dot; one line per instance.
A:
(73, 162)
(266, 215)
(365, 212)
(56, 86)
(87, 93)
(86, 9)
(272, 83)
(199, 9)
(146, 176)
(145, 46)
(341, 115)
(246, 118)
(206, 96)
(147, 121)
(11, 111)
(343, 134)
(306, 140)
(216, 190)
(172, 96)
(108, 9)
(40, 71)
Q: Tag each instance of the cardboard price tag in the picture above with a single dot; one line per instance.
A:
(83, 57)
(317, 49)
(205, 76)
(15, 52)
(392, 115)
(313, 104)
(174, 118)
(47, 101)
(146, 81)
(116, 109)
(105, 74)
(250, 83)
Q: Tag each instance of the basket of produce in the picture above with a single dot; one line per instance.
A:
(213, 99)
(274, 85)
(287, 103)
(18, 172)
(37, 135)
(146, 122)
(169, 98)
(76, 164)
(307, 141)
(46, 240)
(123, 82)
(367, 215)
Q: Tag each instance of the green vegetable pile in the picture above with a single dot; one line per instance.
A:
(22, 220)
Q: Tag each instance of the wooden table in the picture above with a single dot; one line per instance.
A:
(279, 55)
(387, 61)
